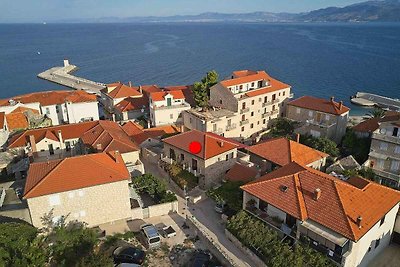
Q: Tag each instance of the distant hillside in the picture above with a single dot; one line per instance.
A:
(383, 10)
(388, 10)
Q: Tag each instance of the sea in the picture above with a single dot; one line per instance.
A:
(325, 59)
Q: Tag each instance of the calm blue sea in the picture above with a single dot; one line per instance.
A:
(317, 59)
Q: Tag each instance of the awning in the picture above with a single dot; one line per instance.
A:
(324, 232)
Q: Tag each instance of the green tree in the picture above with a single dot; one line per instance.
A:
(201, 90)
(353, 145)
(282, 127)
(21, 246)
(376, 113)
(322, 144)
(368, 173)
(154, 187)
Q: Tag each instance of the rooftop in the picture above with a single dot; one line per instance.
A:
(211, 114)
(339, 205)
(120, 90)
(160, 96)
(56, 176)
(372, 124)
(17, 119)
(132, 103)
(282, 151)
(320, 104)
(138, 135)
(48, 98)
(241, 173)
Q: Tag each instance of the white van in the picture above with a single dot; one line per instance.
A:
(151, 234)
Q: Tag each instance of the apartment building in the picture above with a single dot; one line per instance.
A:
(248, 100)
(64, 106)
(131, 108)
(79, 188)
(114, 93)
(384, 155)
(365, 128)
(319, 117)
(275, 153)
(217, 155)
(166, 107)
(351, 221)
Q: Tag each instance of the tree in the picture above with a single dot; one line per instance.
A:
(154, 187)
(20, 245)
(358, 147)
(376, 113)
(282, 127)
(322, 144)
(201, 90)
(368, 173)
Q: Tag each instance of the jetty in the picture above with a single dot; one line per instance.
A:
(368, 99)
(62, 76)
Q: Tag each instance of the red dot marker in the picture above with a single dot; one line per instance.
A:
(194, 147)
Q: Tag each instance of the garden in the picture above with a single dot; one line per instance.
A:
(154, 187)
(182, 177)
(230, 194)
(267, 245)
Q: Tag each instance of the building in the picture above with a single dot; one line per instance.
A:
(278, 152)
(55, 142)
(243, 105)
(319, 117)
(139, 135)
(241, 173)
(365, 128)
(350, 221)
(166, 107)
(64, 106)
(131, 108)
(114, 93)
(79, 188)
(217, 155)
(384, 155)
(344, 164)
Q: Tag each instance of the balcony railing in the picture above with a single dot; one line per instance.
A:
(184, 105)
(270, 113)
(392, 139)
(231, 127)
(267, 103)
(244, 110)
(322, 124)
(244, 122)
(275, 101)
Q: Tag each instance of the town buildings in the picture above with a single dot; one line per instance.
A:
(114, 93)
(277, 152)
(384, 155)
(77, 188)
(350, 221)
(64, 106)
(319, 117)
(243, 104)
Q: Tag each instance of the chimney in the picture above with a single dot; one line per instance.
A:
(221, 143)
(359, 219)
(130, 84)
(298, 138)
(61, 139)
(116, 156)
(182, 128)
(32, 141)
(340, 105)
(140, 89)
(332, 99)
(317, 194)
(98, 147)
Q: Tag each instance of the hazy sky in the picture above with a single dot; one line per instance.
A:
(47, 10)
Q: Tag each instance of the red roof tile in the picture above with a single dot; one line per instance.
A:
(243, 73)
(48, 98)
(131, 128)
(147, 89)
(129, 104)
(319, 104)
(138, 135)
(340, 202)
(17, 119)
(212, 145)
(121, 90)
(2, 117)
(160, 96)
(372, 124)
(74, 173)
(282, 151)
(241, 173)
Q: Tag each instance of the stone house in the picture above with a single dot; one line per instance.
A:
(319, 117)
(351, 222)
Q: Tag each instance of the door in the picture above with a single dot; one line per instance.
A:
(194, 164)
(290, 220)
(51, 149)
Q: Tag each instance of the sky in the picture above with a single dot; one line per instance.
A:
(47, 10)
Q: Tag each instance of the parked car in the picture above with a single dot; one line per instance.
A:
(128, 255)
(152, 237)
(220, 207)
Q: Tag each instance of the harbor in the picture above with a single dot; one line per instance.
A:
(62, 76)
(373, 100)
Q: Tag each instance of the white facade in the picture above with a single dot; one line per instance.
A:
(71, 112)
(167, 111)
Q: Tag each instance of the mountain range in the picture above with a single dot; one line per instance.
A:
(377, 10)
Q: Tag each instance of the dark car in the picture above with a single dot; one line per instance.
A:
(128, 255)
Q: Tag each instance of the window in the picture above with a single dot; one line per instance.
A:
(264, 120)
(297, 110)
(54, 200)
(241, 87)
(220, 101)
(382, 221)
(259, 100)
(252, 84)
(67, 145)
(47, 111)
(229, 122)
(190, 120)
(310, 113)
(327, 117)
(214, 127)
(395, 165)
(252, 102)
(171, 116)
(265, 99)
(383, 146)
(58, 109)
(226, 156)
(251, 126)
(252, 113)
(243, 129)
(283, 93)
(231, 155)
(243, 117)
(243, 105)
(395, 131)
(380, 163)
(377, 242)
(397, 150)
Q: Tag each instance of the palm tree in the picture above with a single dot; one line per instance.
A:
(376, 113)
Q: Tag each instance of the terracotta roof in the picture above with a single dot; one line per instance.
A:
(130, 103)
(2, 117)
(25, 109)
(282, 151)
(120, 90)
(17, 118)
(48, 98)
(68, 131)
(274, 85)
(108, 136)
(131, 128)
(241, 173)
(138, 135)
(212, 145)
(243, 73)
(187, 92)
(160, 96)
(340, 202)
(319, 104)
(73, 173)
(147, 89)
(372, 124)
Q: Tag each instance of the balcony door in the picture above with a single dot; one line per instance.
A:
(290, 220)
(51, 149)
(194, 164)
(169, 101)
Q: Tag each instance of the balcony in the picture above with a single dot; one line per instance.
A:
(231, 127)
(244, 122)
(321, 124)
(386, 138)
(266, 103)
(184, 105)
(270, 113)
(244, 110)
(275, 101)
